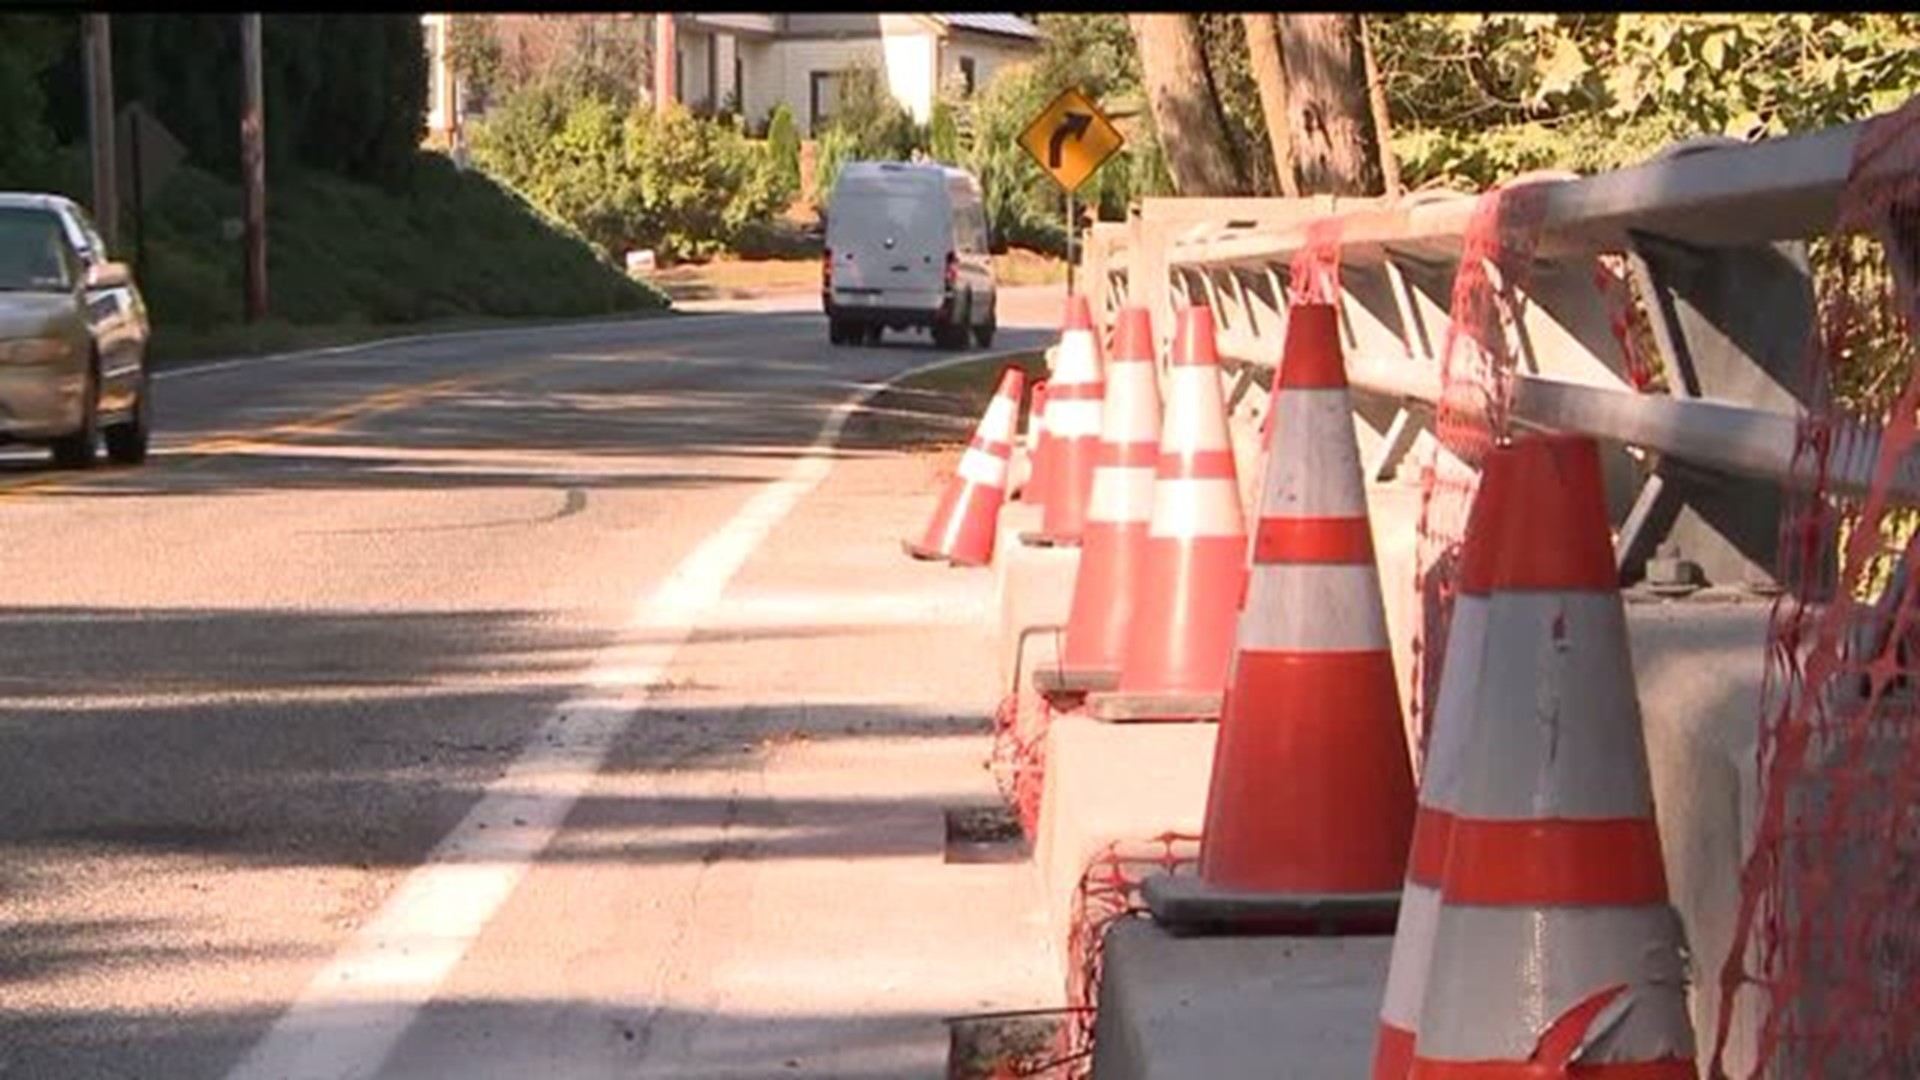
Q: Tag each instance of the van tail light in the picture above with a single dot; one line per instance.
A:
(953, 270)
(826, 269)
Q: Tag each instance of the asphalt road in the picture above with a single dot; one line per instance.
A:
(378, 726)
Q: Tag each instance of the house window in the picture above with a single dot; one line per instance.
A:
(679, 74)
(966, 75)
(739, 82)
(823, 98)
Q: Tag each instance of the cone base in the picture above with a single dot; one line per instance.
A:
(1188, 906)
(1124, 708)
(926, 554)
(1075, 680)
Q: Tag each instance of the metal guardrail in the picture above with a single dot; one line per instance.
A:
(1715, 232)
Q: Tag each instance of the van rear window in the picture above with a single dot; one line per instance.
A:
(871, 216)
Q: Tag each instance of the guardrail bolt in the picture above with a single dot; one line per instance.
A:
(1670, 575)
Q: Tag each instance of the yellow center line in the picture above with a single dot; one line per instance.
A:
(332, 420)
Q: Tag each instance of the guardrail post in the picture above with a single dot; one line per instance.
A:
(1731, 324)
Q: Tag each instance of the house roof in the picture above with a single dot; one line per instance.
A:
(987, 23)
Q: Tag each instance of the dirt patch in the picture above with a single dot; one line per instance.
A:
(984, 834)
(1002, 1044)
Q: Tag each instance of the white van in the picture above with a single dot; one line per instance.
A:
(907, 246)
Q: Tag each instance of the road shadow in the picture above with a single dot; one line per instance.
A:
(486, 1038)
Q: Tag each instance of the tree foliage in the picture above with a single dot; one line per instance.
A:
(628, 177)
(1476, 98)
(478, 59)
(29, 46)
(344, 93)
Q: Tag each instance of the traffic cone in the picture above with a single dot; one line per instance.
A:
(1076, 393)
(1312, 788)
(1180, 636)
(1556, 951)
(1453, 716)
(1114, 543)
(963, 525)
(1034, 490)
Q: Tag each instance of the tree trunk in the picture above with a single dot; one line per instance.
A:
(1334, 142)
(1270, 75)
(1186, 114)
(1382, 118)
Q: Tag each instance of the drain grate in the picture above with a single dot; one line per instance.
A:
(984, 834)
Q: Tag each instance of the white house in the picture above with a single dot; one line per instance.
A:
(754, 62)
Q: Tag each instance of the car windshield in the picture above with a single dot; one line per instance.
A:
(31, 251)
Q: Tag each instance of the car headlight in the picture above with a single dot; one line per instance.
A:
(34, 351)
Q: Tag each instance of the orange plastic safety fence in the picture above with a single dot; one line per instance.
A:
(1018, 759)
(1823, 977)
(1476, 370)
(1314, 275)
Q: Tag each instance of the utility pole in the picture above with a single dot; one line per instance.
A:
(665, 59)
(100, 133)
(253, 166)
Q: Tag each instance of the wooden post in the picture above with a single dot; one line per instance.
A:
(253, 166)
(100, 132)
(665, 59)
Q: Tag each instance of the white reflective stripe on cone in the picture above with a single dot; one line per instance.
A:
(1500, 977)
(1079, 361)
(1132, 412)
(1073, 419)
(1122, 495)
(1001, 420)
(1321, 607)
(980, 467)
(1196, 508)
(1316, 469)
(1556, 731)
(1412, 953)
(1456, 706)
(1195, 416)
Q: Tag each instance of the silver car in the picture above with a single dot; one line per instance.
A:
(73, 336)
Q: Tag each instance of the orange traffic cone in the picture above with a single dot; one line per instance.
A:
(1034, 490)
(963, 525)
(1311, 807)
(1453, 717)
(1114, 543)
(1180, 638)
(1076, 393)
(1556, 952)
(1312, 789)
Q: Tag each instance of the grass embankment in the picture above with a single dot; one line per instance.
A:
(348, 262)
(936, 410)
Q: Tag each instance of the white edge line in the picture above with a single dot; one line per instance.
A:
(351, 1016)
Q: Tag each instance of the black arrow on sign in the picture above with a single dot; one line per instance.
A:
(1074, 124)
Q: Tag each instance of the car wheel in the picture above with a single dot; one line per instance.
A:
(983, 334)
(836, 332)
(873, 332)
(127, 440)
(78, 450)
(950, 335)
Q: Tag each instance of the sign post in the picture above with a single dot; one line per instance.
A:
(1071, 139)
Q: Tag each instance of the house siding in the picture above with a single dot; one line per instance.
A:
(989, 52)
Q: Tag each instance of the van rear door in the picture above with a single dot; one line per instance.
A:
(890, 239)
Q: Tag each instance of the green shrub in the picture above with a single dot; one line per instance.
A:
(668, 180)
(943, 135)
(783, 149)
